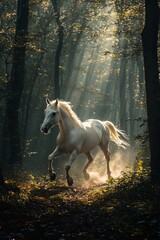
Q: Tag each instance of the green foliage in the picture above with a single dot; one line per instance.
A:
(134, 200)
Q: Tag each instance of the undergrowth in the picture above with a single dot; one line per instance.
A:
(123, 208)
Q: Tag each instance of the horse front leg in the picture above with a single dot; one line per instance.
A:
(52, 173)
(56, 153)
(72, 158)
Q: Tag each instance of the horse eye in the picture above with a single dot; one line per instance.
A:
(53, 114)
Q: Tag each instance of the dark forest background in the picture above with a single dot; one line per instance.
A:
(103, 57)
(87, 52)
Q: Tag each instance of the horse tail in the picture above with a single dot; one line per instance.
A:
(116, 134)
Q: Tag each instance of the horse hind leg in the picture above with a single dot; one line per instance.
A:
(106, 152)
(90, 160)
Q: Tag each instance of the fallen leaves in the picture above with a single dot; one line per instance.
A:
(35, 208)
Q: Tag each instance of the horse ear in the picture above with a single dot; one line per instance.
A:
(56, 103)
(47, 101)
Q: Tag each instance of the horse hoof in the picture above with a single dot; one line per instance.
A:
(110, 178)
(86, 176)
(70, 181)
(53, 176)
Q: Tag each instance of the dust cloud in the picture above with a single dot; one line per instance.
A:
(121, 161)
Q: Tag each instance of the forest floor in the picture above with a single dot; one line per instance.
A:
(124, 208)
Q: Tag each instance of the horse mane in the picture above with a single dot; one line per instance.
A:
(66, 106)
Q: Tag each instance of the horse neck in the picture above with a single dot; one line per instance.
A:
(66, 123)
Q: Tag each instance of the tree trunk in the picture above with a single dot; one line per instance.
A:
(57, 81)
(1, 177)
(29, 99)
(15, 86)
(149, 40)
(122, 92)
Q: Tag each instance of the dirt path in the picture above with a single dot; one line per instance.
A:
(38, 209)
(49, 212)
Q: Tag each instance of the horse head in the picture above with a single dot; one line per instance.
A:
(52, 117)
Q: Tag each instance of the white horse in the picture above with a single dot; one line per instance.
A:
(77, 137)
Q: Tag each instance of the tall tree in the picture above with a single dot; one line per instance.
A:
(15, 86)
(57, 81)
(149, 40)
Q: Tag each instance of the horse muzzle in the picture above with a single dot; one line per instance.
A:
(45, 130)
